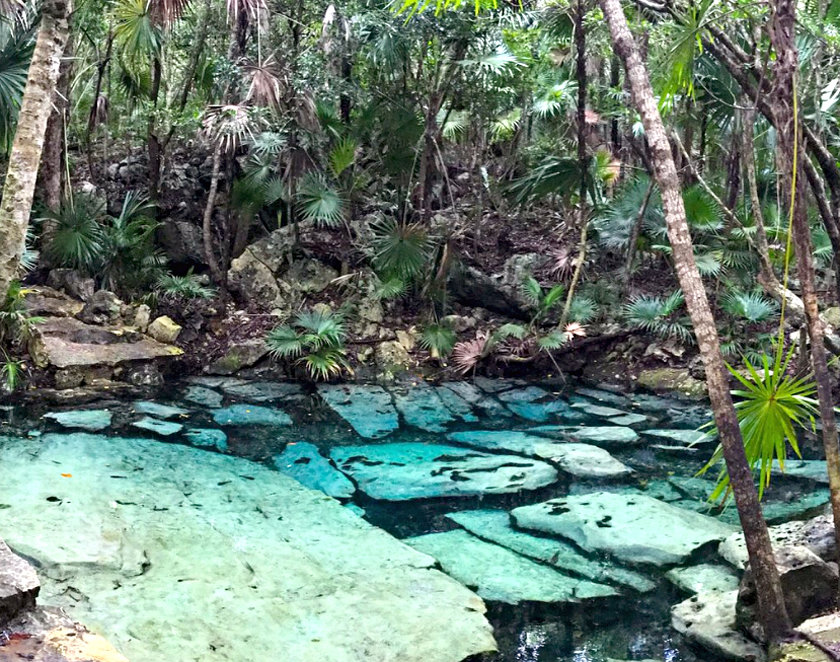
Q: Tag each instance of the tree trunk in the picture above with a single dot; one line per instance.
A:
(207, 224)
(19, 187)
(583, 219)
(772, 610)
(794, 189)
(51, 172)
(151, 133)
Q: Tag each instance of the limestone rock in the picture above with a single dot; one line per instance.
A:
(404, 471)
(369, 409)
(809, 584)
(19, 585)
(580, 460)
(421, 406)
(603, 435)
(501, 575)
(142, 317)
(71, 282)
(391, 358)
(495, 526)
(708, 619)
(680, 437)
(103, 307)
(163, 428)
(164, 329)
(703, 578)
(816, 534)
(158, 409)
(825, 629)
(240, 356)
(92, 420)
(303, 462)
(47, 302)
(250, 415)
(63, 342)
(207, 438)
(261, 391)
(289, 573)
(204, 396)
(663, 380)
(635, 529)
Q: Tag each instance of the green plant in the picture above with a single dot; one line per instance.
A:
(771, 406)
(400, 250)
(188, 286)
(13, 371)
(315, 339)
(544, 301)
(658, 316)
(583, 310)
(319, 201)
(439, 339)
(752, 307)
(78, 239)
(129, 257)
(15, 322)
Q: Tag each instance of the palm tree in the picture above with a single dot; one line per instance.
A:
(25, 156)
(772, 608)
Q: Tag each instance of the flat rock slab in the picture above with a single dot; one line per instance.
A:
(19, 585)
(602, 396)
(92, 420)
(632, 528)
(206, 397)
(606, 435)
(708, 619)
(477, 398)
(208, 438)
(368, 409)
(500, 575)
(538, 405)
(178, 554)
(580, 460)
(680, 437)
(495, 526)
(163, 428)
(626, 420)
(261, 391)
(815, 470)
(593, 409)
(303, 462)
(422, 407)
(703, 578)
(403, 471)
(456, 404)
(159, 409)
(250, 415)
(64, 342)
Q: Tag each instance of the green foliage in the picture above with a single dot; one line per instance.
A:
(186, 287)
(544, 301)
(319, 201)
(658, 315)
(13, 372)
(752, 307)
(16, 44)
(315, 340)
(439, 339)
(771, 407)
(582, 309)
(16, 325)
(78, 241)
(401, 250)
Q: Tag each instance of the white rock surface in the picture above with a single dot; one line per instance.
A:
(178, 554)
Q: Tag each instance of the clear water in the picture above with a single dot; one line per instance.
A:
(631, 627)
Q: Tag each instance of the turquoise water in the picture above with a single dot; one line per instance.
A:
(262, 421)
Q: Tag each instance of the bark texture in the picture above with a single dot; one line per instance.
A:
(22, 173)
(791, 156)
(773, 613)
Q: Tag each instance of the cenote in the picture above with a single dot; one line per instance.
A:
(169, 522)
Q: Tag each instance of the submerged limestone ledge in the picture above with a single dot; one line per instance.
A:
(179, 554)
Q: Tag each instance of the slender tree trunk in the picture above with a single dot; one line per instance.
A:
(50, 174)
(19, 187)
(791, 154)
(583, 161)
(207, 224)
(772, 610)
(151, 133)
(635, 231)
